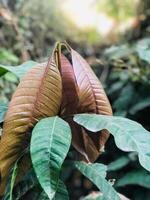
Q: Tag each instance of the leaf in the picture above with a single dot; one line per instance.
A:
(10, 186)
(118, 52)
(119, 163)
(128, 135)
(3, 109)
(11, 77)
(19, 70)
(123, 102)
(92, 99)
(61, 193)
(37, 96)
(27, 183)
(50, 143)
(144, 54)
(15, 172)
(137, 177)
(96, 173)
(70, 91)
(8, 56)
(140, 106)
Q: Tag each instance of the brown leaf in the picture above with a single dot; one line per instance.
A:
(37, 96)
(92, 99)
(70, 90)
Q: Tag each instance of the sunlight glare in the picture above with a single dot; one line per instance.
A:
(84, 15)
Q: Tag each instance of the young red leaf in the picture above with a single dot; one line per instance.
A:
(92, 99)
(37, 96)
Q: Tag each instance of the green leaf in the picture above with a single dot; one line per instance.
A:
(129, 135)
(118, 164)
(28, 182)
(3, 109)
(144, 54)
(123, 102)
(12, 178)
(9, 76)
(8, 56)
(19, 70)
(118, 52)
(61, 193)
(140, 105)
(96, 173)
(50, 142)
(9, 189)
(137, 177)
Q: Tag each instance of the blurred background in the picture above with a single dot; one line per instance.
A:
(114, 37)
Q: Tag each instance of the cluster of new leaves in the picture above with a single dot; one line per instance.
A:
(47, 94)
(59, 87)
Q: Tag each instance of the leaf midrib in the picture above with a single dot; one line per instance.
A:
(50, 144)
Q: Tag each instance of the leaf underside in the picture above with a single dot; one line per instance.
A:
(128, 135)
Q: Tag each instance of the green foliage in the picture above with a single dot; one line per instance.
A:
(12, 179)
(96, 173)
(3, 109)
(120, 10)
(28, 182)
(6, 56)
(9, 188)
(61, 193)
(19, 70)
(128, 89)
(49, 152)
(128, 135)
(143, 49)
(140, 106)
(119, 163)
(136, 177)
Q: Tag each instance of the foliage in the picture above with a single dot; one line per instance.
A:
(140, 177)
(120, 10)
(124, 130)
(35, 112)
(96, 173)
(19, 71)
(127, 86)
(45, 150)
(3, 109)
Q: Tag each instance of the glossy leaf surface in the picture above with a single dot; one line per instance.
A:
(50, 142)
(37, 96)
(129, 135)
(96, 173)
(92, 99)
